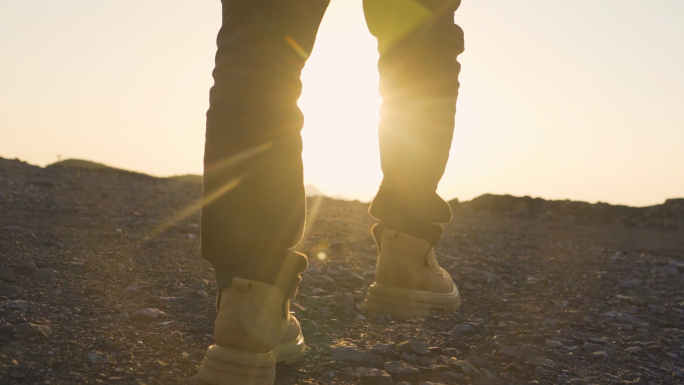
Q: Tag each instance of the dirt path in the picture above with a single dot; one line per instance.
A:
(545, 301)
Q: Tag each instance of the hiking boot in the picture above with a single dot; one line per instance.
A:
(408, 280)
(253, 331)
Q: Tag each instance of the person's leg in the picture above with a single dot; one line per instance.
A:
(418, 43)
(254, 205)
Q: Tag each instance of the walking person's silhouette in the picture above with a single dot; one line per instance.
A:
(254, 203)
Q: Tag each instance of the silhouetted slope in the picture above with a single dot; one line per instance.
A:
(79, 163)
(666, 216)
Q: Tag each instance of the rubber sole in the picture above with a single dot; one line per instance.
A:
(404, 303)
(290, 352)
(222, 366)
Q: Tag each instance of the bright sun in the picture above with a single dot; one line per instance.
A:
(340, 102)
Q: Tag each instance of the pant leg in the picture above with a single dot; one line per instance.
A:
(418, 44)
(254, 206)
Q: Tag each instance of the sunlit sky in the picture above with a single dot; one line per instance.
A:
(560, 99)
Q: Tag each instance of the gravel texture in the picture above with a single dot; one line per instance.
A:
(101, 282)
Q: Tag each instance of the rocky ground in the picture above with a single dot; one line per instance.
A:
(101, 282)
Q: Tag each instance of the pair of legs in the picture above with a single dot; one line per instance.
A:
(254, 203)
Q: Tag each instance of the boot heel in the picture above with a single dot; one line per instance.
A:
(223, 366)
(290, 352)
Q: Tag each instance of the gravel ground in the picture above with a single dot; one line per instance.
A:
(101, 282)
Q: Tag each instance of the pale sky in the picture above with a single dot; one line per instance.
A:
(559, 98)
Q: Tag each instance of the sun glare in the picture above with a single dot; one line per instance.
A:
(340, 102)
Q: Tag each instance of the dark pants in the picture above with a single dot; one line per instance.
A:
(254, 204)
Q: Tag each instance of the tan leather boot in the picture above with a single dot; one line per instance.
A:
(253, 330)
(408, 280)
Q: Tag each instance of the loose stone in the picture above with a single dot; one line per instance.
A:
(27, 268)
(382, 349)
(425, 362)
(402, 372)
(46, 274)
(371, 376)
(571, 349)
(173, 301)
(634, 350)
(591, 348)
(348, 354)
(140, 286)
(464, 367)
(6, 328)
(147, 315)
(480, 362)
(510, 352)
(10, 291)
(413, 346)
(28, 330)
(95, 356)
(464, 328)
(18, 304)
(123, 316)
(627, 318)
(6, 274)
(374, 360)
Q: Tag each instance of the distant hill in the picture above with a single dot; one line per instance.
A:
(666, 216)
(312, 191)
(79, 163)
(190, 178)
(88, 165)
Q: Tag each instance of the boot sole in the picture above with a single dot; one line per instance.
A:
(406, 304)
(290, 352)
(223, 366)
